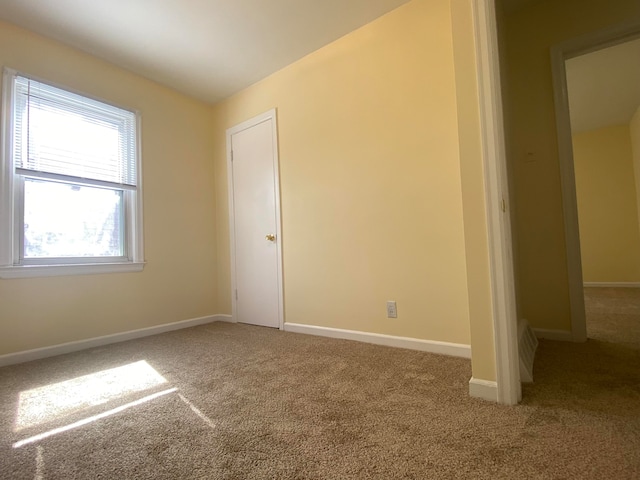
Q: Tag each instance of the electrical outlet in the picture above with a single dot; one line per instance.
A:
(392, 310)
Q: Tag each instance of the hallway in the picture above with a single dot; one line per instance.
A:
(613, 315)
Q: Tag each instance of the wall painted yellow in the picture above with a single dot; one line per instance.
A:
(178, 282)
(530, 32)
(370, 172)
(634, 132)
(607, 205)
(473, 192)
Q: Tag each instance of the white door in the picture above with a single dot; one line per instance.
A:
(255, 222)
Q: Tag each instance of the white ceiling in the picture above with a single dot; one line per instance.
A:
(209, 49)
(604, 87)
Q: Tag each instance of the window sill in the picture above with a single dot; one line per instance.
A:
(27, 271)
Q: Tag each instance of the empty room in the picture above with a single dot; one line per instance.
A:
(305, 240)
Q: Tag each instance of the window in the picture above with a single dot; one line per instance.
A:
(71, 198)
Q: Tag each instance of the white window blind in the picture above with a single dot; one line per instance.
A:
(64, 136)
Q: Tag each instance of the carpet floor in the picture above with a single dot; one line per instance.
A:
(226, 401)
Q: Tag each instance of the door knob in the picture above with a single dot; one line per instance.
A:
(271, 237)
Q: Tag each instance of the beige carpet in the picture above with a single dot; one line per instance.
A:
(255, 403)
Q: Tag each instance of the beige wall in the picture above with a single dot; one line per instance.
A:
(607, 205)
(544, 294)
(370, 170)
(178, 282)
(634, 131)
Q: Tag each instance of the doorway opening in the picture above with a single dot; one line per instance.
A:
(598, 370)
(584, 130)
(604, 110)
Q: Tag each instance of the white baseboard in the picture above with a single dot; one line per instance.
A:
(612, 284)
(60, 349)
(484, 389)
(559, 335)
(432, 346)
(224, 318)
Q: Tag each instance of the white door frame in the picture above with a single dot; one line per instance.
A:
(496, 201)
(270, 115)
(559, 54)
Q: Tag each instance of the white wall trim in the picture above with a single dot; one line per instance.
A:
(224, 318)
(60, 349)
(28, 271)
(483, 389)
(557, 335)
(269, 115)
(559, 54)
(612, 284)
(497, 196)
(431, 346)
(7, 199)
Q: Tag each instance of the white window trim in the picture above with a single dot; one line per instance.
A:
(26, 271)
(133, 212)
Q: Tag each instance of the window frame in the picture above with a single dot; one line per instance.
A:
(12, 206)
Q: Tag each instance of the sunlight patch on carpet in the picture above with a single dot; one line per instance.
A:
(197, 411)
(39, 463)
(93, 418)
(43, 404)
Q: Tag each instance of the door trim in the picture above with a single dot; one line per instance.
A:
(498, 219)
(559, 54)
(264, 117)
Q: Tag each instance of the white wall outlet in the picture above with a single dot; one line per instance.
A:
(392, 310)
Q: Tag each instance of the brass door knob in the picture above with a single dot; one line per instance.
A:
(271, 237)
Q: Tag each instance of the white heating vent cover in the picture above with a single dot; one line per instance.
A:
(527, 344)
